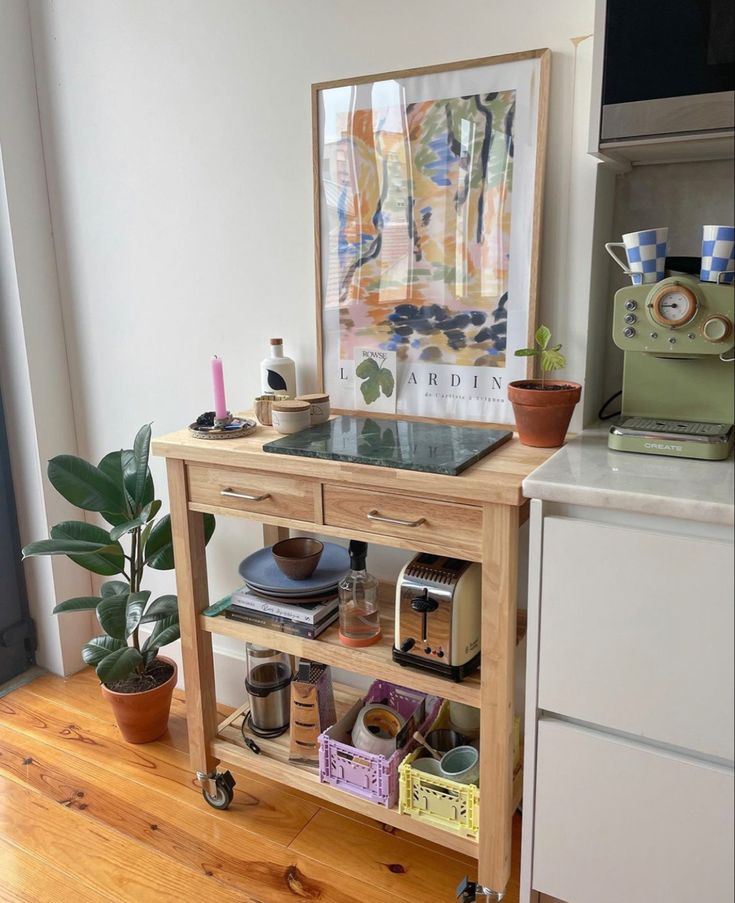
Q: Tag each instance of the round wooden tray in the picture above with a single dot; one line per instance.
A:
(236, 429)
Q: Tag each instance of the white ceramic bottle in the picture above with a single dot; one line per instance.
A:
(278, 372)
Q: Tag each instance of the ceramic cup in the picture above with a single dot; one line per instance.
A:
(430, 766)
(718, 264)
(462, 765)
(645, 252)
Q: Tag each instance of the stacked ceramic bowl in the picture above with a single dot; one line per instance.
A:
(266, 572)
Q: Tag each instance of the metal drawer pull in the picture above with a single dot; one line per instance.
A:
(241, 495)
(373, 515)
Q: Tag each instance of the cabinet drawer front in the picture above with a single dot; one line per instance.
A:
(618, 821)
(636, 633)
(455, 527)
(260, 493)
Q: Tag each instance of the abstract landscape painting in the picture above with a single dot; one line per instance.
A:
(420, 228)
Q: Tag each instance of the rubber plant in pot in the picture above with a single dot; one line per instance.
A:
(543, 407)
(138, 682)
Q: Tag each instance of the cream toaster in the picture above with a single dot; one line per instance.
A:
(438, 613)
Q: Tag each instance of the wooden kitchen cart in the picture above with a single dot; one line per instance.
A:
(474, 516)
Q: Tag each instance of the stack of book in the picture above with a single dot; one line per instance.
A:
(305, 620)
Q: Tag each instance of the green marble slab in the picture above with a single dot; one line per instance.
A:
(405, 444)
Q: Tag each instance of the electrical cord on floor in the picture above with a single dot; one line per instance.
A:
(601, 413)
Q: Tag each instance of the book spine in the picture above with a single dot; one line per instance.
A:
(292, 612)
(307, 631)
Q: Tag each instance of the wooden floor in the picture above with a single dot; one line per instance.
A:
(84, 817)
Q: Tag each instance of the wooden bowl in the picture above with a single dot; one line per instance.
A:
(298, 557)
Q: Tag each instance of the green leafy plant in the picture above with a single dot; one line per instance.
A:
(375, 379)
(120, 488)
(550, 359)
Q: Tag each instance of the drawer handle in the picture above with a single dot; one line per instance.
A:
(241, 495)
(373, 515)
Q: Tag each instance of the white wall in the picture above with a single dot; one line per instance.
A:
(177, 137)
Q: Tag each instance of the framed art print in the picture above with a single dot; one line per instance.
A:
(428, 189)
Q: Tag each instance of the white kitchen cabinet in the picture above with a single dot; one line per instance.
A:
(616, 820)
(636, 632)
(628, 763)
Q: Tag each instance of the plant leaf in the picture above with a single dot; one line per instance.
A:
(141, 451)
(134, 610)
(120, 467)
(79, 603)
(109, 559)
(84, 485)
(552, 360)
(370, 389)
(543, 336)
(100, 647)
(111, 613)
(387, 383)
(114, 588)
(162, 607)
(159, 552)
(166, 631)
(366, 368)
(146, 514)
(60, 547)
(119, 664)
(527, 352)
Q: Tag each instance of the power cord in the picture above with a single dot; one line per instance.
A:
(601, 415)
(247, 724)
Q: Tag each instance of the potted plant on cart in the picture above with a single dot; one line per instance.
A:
(137, 681)
(543, 407)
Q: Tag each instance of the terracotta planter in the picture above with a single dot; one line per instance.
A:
(542, 416)
(143, 717)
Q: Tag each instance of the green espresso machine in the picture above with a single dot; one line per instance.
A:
(678, 377)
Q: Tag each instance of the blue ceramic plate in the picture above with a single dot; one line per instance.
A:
(261, 571)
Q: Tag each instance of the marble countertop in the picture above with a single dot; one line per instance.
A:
(586, 472)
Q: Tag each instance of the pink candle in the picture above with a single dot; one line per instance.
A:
(218, 384)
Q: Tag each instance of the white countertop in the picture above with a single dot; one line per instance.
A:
(586, 472)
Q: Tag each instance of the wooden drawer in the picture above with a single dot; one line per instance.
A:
(272, 496)
(636, 633)
(617, 821)
(456, 528)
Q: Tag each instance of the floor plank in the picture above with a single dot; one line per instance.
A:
(266, 809)
(274, 845)
(214, 847)
(385, 862)
(61, 837)
(24, 877)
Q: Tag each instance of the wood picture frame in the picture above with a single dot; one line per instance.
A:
(527, 74)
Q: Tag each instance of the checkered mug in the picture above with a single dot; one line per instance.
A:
(645, 252)
(718, 264)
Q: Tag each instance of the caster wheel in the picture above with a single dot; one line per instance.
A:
(224, 791)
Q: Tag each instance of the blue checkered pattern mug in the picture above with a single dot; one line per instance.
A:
(645, 252)
(718, 264)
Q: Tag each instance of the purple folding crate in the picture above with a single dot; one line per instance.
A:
(369, 775)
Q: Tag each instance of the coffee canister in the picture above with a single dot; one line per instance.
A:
(291, 416)
(320, 408)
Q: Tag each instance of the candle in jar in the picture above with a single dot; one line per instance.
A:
(218, 384)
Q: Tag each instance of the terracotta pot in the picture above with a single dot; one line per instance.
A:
(543, 416)
(143, 717)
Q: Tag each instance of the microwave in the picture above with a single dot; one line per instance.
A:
(667, 70)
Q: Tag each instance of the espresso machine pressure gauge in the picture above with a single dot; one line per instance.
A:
(673, 305)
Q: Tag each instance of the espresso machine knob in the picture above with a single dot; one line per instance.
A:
(716, 328)
(630, 304)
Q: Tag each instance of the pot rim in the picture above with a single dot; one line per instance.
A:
(535, 396)
(162, 658)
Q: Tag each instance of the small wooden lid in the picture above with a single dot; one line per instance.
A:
(276, 341)
(316, 398)
(291, 406)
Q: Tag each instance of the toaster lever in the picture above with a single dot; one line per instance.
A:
(424, 604)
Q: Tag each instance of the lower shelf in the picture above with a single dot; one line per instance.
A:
(273, 763)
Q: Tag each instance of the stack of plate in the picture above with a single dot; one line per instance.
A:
(263, 576)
